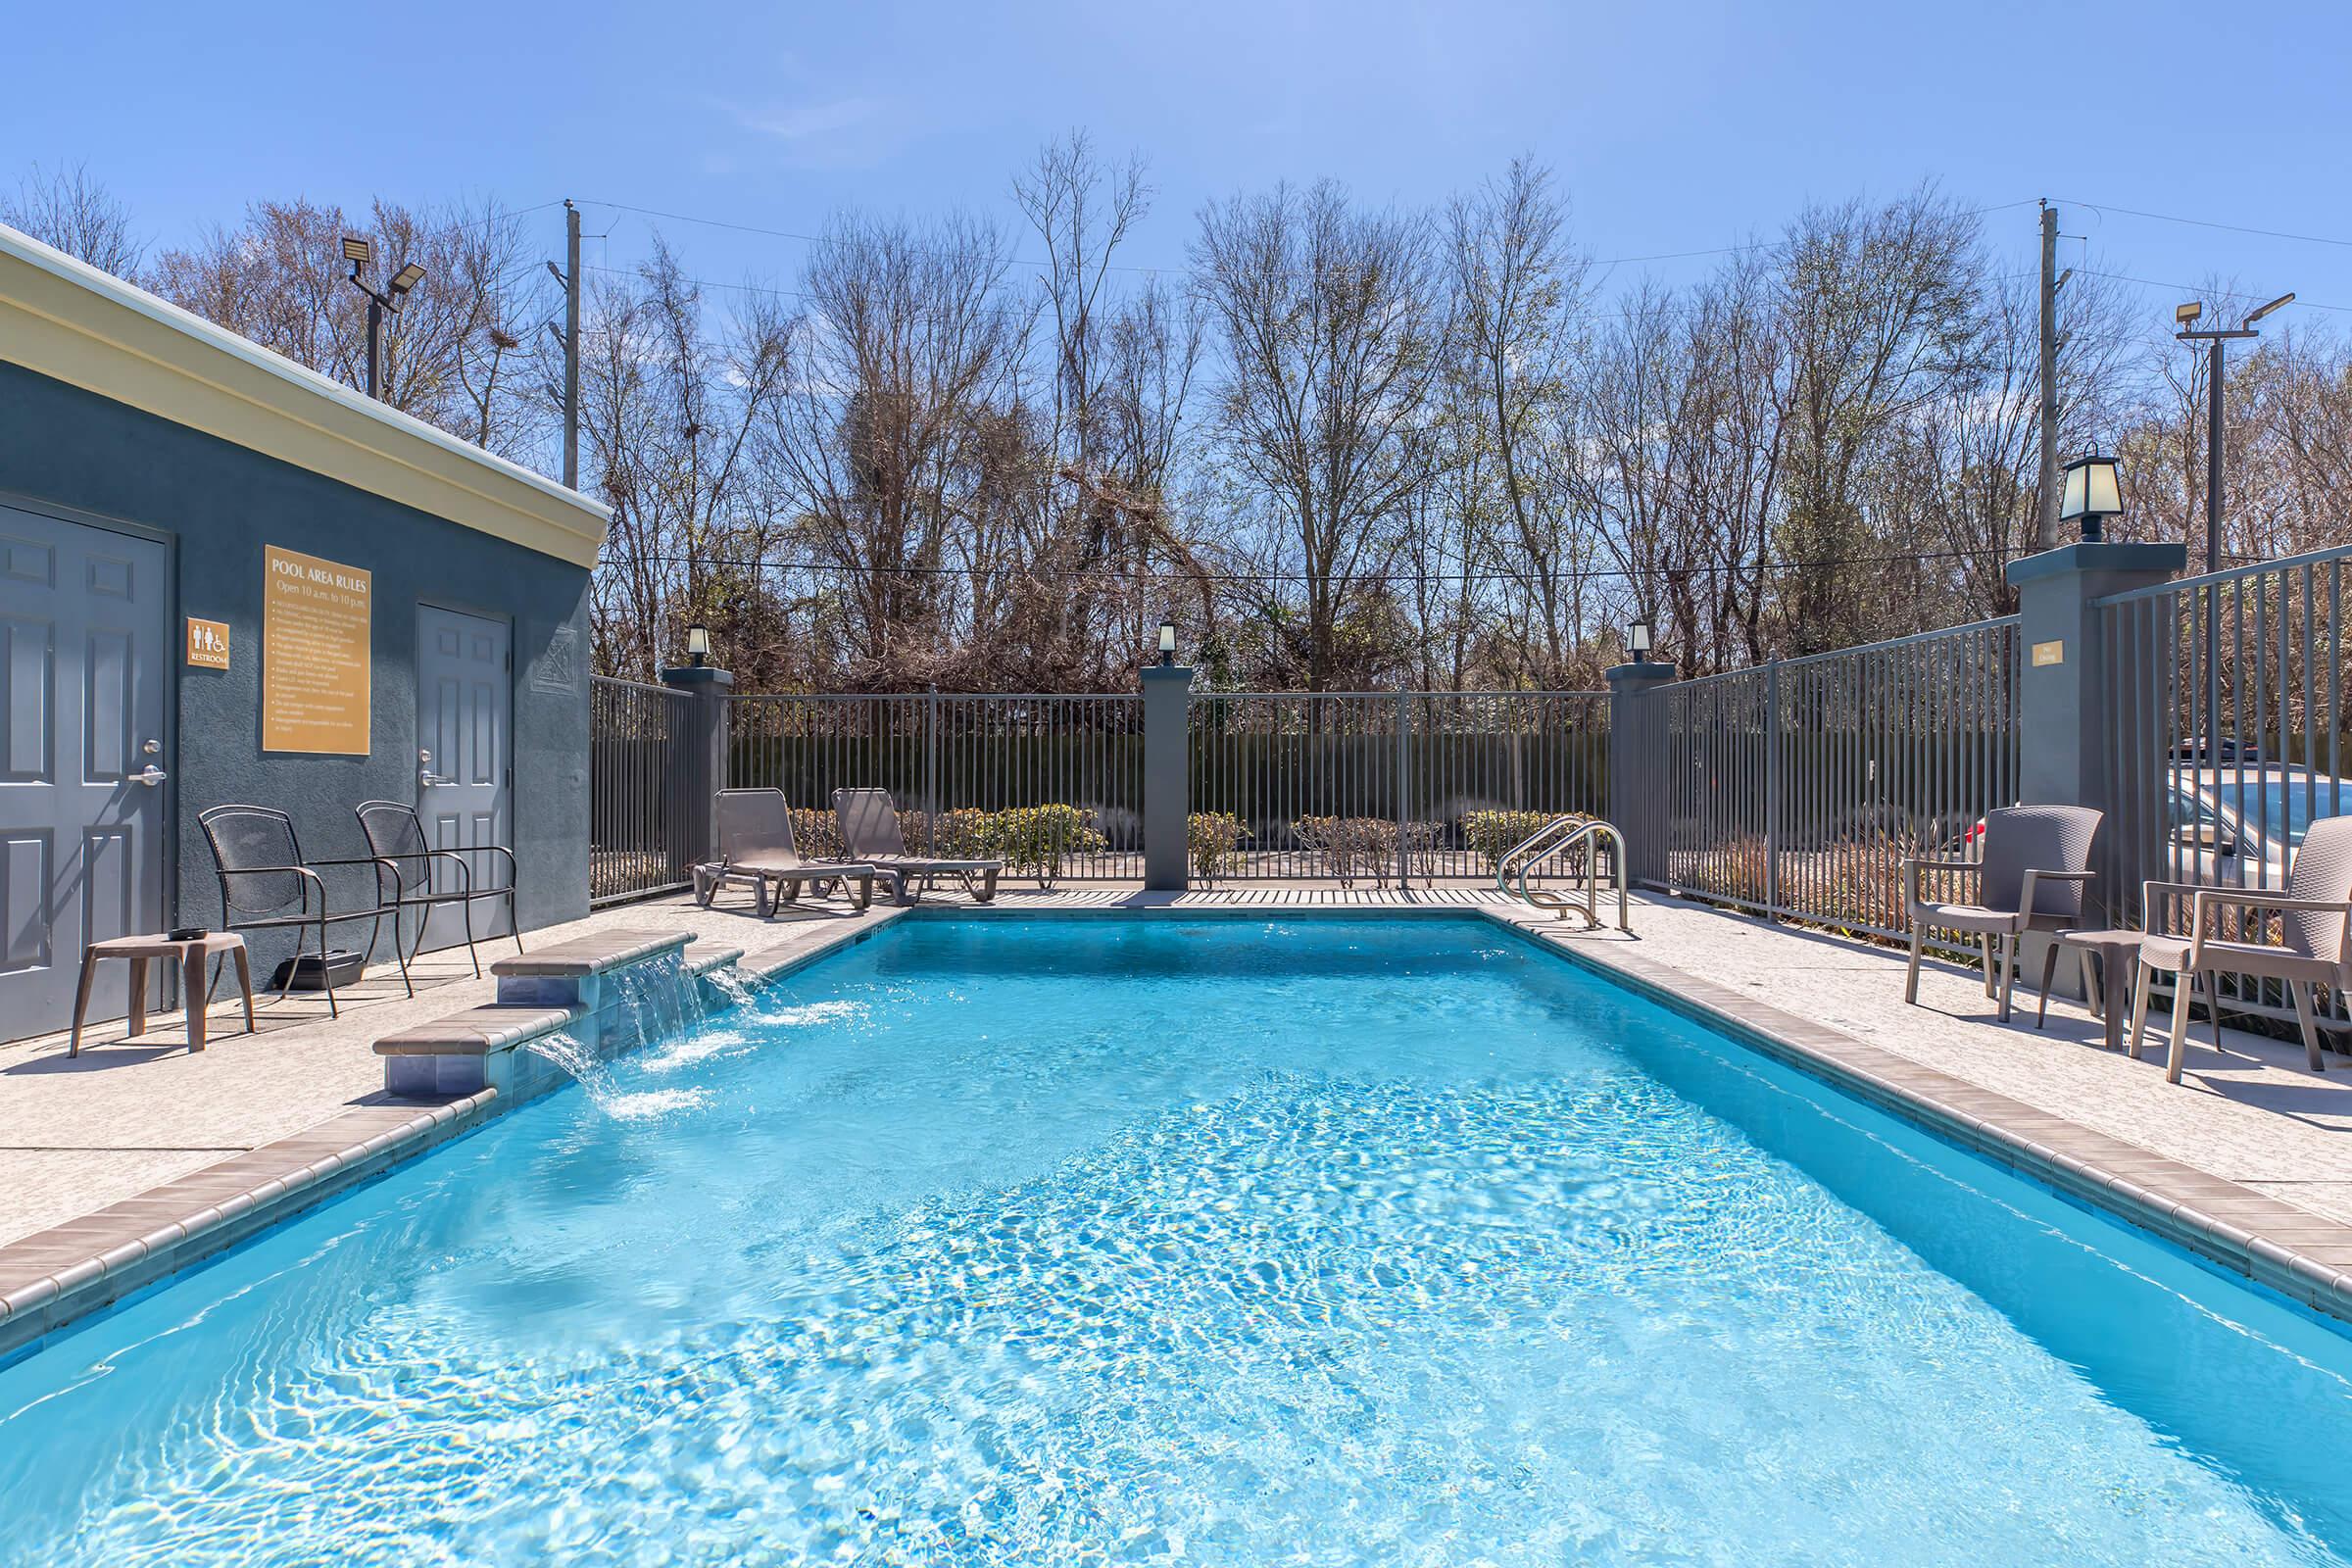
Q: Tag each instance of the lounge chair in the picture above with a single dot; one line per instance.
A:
(870, 830)
(2312, 914)
(395, 835)
(2037, 860)
(755, 844)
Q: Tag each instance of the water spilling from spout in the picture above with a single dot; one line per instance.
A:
(659, 996)
(730, 984)
(596, 1077)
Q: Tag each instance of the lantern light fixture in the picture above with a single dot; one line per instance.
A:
(1167, 641)
(2092, 495)
(1638, 638)
(697, 644)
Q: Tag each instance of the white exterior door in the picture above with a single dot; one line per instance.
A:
(83, 651)
(465, 722)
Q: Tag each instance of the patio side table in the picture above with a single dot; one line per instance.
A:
(2110, 996)
(191, 955)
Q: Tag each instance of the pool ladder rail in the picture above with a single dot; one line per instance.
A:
(1556, 837)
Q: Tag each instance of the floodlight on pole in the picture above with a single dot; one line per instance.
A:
(360, 254)
(2216, 340)
(2260, 311)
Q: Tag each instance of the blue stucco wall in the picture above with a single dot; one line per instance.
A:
(221, 505)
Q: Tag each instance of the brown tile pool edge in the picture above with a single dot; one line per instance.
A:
(52, 1278)
(2223, 1222)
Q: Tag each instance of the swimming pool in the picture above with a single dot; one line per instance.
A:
(1107, 1240)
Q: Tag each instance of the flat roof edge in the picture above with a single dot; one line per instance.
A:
(71, 323)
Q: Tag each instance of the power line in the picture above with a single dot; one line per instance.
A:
(2191, 288)
(2206, 223)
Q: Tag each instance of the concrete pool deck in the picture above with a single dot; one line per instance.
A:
(103, 1155)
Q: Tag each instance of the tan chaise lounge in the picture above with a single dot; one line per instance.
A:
(2030, 879)
(869, 831)
(755, 844)
(2312, 913)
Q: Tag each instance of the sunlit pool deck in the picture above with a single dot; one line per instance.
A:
(138, 1157)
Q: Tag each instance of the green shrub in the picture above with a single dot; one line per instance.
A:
(962, 834)
(1214, 840)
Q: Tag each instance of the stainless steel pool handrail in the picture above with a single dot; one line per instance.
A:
(1556, 837)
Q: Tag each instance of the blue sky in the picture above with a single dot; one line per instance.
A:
(1673, 126)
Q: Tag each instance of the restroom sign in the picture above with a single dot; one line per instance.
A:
(208, 643)
(315, 655)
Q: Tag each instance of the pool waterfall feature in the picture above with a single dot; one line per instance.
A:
(559, 1012)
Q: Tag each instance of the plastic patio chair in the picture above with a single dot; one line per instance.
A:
(396, 835)
(2037, 860)
(263, 876)
(754, 842)
(2312, 913)
(870, 830)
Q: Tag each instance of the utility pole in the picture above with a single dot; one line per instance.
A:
(2046, 532)
(571, 346)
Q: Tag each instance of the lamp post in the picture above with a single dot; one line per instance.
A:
(1167, 643)
(2091, 496)
(2214, 339)
(360, 252)
(698, 645)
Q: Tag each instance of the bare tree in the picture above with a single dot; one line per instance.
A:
(280, 279)
(1519, 299)
(1335, 330)
(1877, 318)
(74, 212)
(896, 429)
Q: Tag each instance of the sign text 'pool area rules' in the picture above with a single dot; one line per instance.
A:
(315, 656)
(208, 643)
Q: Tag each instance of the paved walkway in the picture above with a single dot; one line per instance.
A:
(77, 1133)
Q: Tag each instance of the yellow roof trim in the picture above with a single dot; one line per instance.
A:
(76, 325)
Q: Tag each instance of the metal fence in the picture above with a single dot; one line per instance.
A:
(637, 807)
(1798, 788)
(2228, 738)
(1351, 785)
(940, 755)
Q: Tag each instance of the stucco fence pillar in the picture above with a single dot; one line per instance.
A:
(1167, 805)
(697, 760)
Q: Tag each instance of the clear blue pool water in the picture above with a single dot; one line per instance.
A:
(1065, 1242)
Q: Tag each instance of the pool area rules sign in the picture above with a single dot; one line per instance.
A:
(315, 655)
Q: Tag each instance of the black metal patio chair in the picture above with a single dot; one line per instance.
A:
(266, 884)
(396, 834)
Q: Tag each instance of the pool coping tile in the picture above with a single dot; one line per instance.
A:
(2302, 1255)
(52, 1277)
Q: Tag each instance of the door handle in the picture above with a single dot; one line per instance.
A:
(150, 775)
(426, 778)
